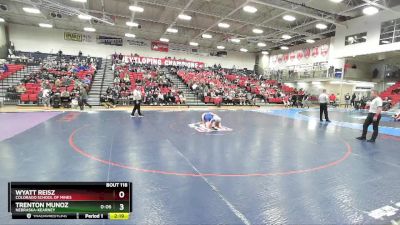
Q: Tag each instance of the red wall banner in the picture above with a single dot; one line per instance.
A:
(159, 46)
(164, 61)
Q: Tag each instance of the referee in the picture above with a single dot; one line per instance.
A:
(374, 116)
(137, 98)
(323, 100)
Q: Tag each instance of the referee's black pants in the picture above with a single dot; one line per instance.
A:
(375, 124)
(136, 107)
(323, 109)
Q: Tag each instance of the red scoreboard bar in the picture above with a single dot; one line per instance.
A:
(70, 200)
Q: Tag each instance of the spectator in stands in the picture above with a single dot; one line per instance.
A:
(20, 88)
(65, 98)
(182, 98)
(117, 80)
(58, 83)
(11, 93)
(46, 98)
(56, 100)
(5, 68)
(160, 98)
(286, 101)
(107, 101)
(87, 81)
(387, 104)
(75, 102)
(332, 99)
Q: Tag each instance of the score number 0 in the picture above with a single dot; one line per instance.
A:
(121, 194)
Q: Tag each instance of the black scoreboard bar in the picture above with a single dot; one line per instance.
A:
(70, 200)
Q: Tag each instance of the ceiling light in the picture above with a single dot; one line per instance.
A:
(135, 8)
(132, 24)
(2, 20)
(208, 36)
(257, 31)
(31, 10)
(286, 37)
(244, 50)
(261, 44)
(264, 52)
(250, 9)
(336, 1)
(220, 47)
(172, 30)
(45, 25)
(370, 10)
(385, 42)
(83, 1)
(164, 39)
(284, 47)
(321, 26)
(184, 17)
(129, 35)
(310, 41)
(289, 18)
(224, 25)
(85, 17)
(235, 40)
(193, 43)
(89, 29)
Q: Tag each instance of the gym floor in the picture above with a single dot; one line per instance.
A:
(275, 167)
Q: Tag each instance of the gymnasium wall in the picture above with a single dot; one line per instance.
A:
(362, 71)
(369, 24)
(316, 89)
(28, 38)
(3, 42)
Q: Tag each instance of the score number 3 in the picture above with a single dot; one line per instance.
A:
(121, 195)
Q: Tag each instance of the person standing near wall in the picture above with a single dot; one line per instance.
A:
(347, 100)
(137, 98)
(323, 100)
(83, 95)
(374, 116)
(353, 100)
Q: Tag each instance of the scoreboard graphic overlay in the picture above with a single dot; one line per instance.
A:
(70, 200)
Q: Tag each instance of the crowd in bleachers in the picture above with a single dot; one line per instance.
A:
(58, 83)
(220, 86)
(214, 87)
(153, 81)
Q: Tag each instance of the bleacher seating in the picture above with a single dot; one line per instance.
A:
(391, 93)
(12, 68)
(148, 82)
(31, 95)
